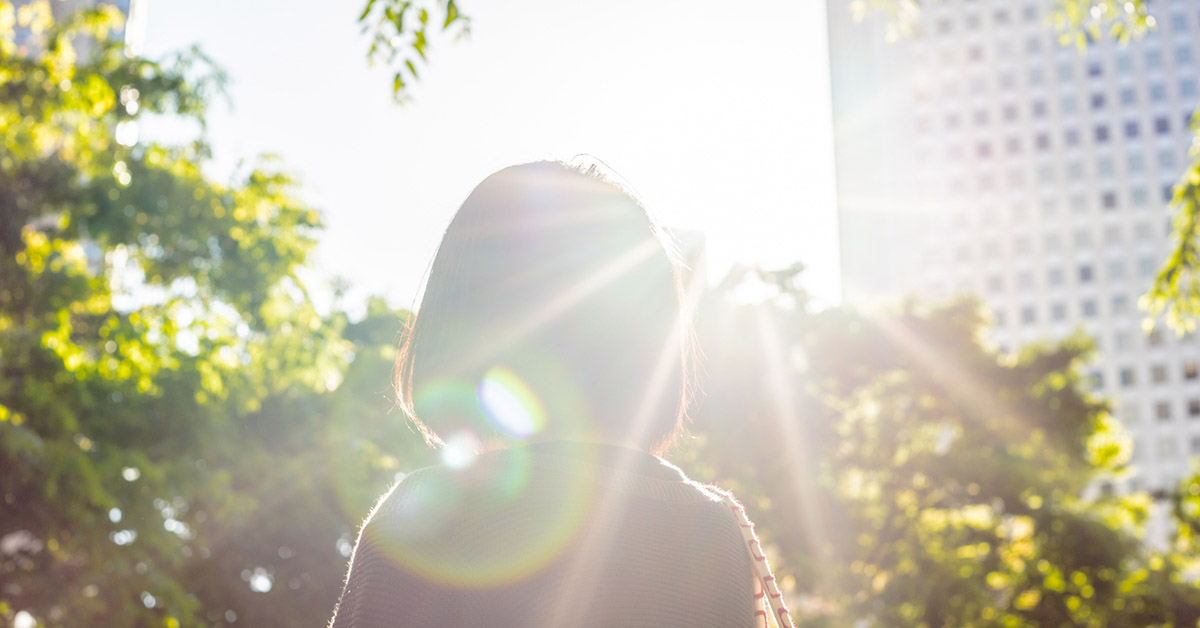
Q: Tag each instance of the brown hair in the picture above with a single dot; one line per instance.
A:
(560, 279)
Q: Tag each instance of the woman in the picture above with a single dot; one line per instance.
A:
(549, 362)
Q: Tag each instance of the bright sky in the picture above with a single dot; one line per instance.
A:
(717, 114)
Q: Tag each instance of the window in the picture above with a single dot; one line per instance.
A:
(1120, 304)
(1128, 96)
(1071, 136)
(1033, 45)
(1068, 105)
(980, 118)
(1166, 159)
(1104, 167)
(1029, 13)
(1139, 196)
(1042, 141)
(1142, 231)
(1146, 267)
(1131, 129)
(1196, 444)
(983, 150)
(1010, 112)
(1136, 163)
(972, 22)
(1058, 311)
(1021, 244)
(1012, 145)
(1183, 55)
(1038, 108)
(1128, 413)
(1158, 92)
(1088, 308)
(1108, 200)
(1158, 374)
(1028, 315)
(995, 283)
(944, 26)
(1097, 101)
(1190, 371)
(1101, 133)
(1045, 173)
(1154, 59)
(1121, 340)
(1036, 77)
(1112, 235)
(1162, 411)
(1154, 338)
(1187, 88)
(1178, 22)
(1128, 377)
(1025, 280)
(1162, 125)
(1193, 413)
(1168, 193)
(1116, 269)
(999, 316)
(1124, 62)
(1083, 239)
(1095, 69)
(1054, 277)
(1085, 274)
(1066, 71)
(952, 121)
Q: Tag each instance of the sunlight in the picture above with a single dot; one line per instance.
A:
(608, 509)
(510, 403)
(521, 329)
(790, 425)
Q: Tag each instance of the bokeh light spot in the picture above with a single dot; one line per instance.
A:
(510, 403)
(461, 449)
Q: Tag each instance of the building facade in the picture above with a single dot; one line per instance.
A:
(979, 156)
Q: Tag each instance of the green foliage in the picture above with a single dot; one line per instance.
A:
(167, 389)
(1176, 289)
(908, 475)
(400, 33)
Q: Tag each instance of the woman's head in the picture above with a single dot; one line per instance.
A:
(552, 310)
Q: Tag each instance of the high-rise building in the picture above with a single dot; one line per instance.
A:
(978, 155)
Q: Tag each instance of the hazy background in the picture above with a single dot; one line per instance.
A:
(719, 119)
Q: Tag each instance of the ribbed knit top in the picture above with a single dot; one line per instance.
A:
(554, 534)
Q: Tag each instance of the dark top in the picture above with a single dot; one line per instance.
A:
(554, 534)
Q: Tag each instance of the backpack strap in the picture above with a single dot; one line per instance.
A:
(765, 588)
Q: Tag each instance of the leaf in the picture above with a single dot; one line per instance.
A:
(366, 10)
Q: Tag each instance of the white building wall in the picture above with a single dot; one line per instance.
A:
(980, 156)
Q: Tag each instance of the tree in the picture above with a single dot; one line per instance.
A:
(908, 475)
(400, 32)
(184, 439)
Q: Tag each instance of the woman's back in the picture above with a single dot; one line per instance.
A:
(552, 534)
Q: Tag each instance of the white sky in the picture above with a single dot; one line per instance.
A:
(717, 113)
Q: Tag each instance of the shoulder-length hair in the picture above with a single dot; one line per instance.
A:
(553, 308)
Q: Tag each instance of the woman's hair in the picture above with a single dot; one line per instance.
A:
(553, 308)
